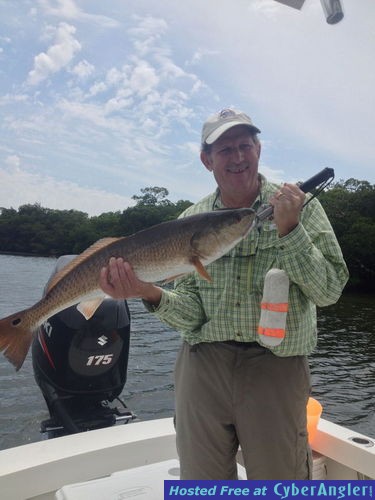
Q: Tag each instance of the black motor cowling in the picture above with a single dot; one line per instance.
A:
(81, 366)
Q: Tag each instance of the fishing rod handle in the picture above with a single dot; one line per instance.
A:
(314, 181)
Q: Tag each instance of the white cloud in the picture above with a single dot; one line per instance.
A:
(200, 55)
(277, 176)
(116, 104)
(148, 29)
(95, 114)
(150, 94)
(144, 78)
(115, 76)
(97, 88)
(13, 161)
(126, 106)
(83, 69)
(34, 188)
(57, 57)
(309, 81)
(12, 98)
(67, 9)
(63, 8)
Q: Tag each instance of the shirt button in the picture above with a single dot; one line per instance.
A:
(238, 334)
(238, 304)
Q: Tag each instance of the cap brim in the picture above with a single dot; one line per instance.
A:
(214, 136)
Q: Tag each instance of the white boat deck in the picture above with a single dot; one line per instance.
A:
(38, 470)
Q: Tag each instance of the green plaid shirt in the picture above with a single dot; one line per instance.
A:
(229, 307)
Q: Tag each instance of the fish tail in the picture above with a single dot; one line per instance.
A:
(15, 338)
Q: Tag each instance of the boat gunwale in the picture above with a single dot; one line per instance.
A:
(94, 454)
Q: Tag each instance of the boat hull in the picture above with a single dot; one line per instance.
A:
(95, 454)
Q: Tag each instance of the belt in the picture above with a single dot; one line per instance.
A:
(234, 343)
(243, 345)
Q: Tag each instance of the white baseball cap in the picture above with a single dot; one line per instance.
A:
(222, 121)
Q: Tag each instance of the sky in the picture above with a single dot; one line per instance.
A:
(99, 100)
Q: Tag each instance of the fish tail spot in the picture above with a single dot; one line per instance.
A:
(15, 344)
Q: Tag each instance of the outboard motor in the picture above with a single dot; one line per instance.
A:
(81, 366)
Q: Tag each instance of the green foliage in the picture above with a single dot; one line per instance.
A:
(42, 231)
(106, 225)
(151, 208)
(350, 206)
(35, 230)
(153, 196)
(32, 229)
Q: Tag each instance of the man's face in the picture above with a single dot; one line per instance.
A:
(233, 159)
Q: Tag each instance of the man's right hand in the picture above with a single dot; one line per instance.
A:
(119, 281)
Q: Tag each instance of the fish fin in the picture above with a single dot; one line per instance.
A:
(88, 308)
(15, 339)
(172, 278)
(199, 267)
(95, 247)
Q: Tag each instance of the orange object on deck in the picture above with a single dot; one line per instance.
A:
(314, 410)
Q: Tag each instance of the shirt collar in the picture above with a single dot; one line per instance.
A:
(258, 202)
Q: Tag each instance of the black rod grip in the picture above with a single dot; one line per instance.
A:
(323, 176)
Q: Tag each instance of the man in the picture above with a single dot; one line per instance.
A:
(231, 390)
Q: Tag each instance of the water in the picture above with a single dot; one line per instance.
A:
(343, 366)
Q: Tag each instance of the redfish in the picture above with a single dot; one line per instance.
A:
(159, 253)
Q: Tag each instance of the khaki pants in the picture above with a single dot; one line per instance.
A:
(229, 395)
